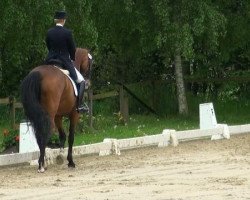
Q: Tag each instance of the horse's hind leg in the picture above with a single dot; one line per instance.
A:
(73, 120)
(62, 135)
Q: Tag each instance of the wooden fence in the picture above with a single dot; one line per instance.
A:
(122, 91)
(123, 99)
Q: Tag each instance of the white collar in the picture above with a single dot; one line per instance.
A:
(59, 25)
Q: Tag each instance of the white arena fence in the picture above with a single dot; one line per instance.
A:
(115, 146)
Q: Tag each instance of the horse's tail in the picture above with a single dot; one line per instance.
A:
(39, 118)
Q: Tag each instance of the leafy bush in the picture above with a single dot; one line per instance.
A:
(10, 139)
(54, 141)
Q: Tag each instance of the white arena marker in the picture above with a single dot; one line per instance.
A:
(166, 138)
(27, 138)
(115, 147)
(208, 121)
(169, 137)
(107, 151)
(225, 133)
(173, 138)
(207, 116)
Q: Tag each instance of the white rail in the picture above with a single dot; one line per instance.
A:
(114, 146)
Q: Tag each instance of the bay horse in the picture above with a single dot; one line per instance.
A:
(47, 96)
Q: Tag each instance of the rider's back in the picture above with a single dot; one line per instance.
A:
(59, 41)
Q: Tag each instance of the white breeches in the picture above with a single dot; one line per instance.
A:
(79, 76)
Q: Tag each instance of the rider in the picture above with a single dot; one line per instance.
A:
(61, 46)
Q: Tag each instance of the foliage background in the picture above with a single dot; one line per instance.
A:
(135, 40)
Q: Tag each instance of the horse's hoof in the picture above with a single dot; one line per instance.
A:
(71, 165)
(41, 170)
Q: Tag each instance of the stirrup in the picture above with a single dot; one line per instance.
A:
(83, 109)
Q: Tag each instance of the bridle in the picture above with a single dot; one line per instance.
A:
(90, 63)
(88, 73)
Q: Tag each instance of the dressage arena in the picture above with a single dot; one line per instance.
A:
(199, 169)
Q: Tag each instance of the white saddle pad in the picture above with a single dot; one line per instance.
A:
(66, 72)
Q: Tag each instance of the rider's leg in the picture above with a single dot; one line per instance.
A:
(72, 74)
(81, 107)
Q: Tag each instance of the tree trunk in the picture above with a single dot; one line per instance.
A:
(181, 94)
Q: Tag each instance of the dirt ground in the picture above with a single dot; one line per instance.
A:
(193, 170)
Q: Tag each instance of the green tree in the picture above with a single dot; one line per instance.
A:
(131, 40)
(22, 44)
(182, 22)
(81, 22)
(22, 38)
(235, 47)
(130, 31)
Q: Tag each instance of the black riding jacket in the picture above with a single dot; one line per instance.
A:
(61, 46)
(60, 43)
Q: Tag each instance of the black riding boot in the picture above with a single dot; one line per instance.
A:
(81, 108)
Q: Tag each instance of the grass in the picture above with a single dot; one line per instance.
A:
(230, 112)
(139, 125)
(2, 127)
(108, 125)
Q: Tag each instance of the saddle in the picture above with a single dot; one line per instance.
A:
(56, 62)
(59, 64)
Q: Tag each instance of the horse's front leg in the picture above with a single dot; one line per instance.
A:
(73, 121)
